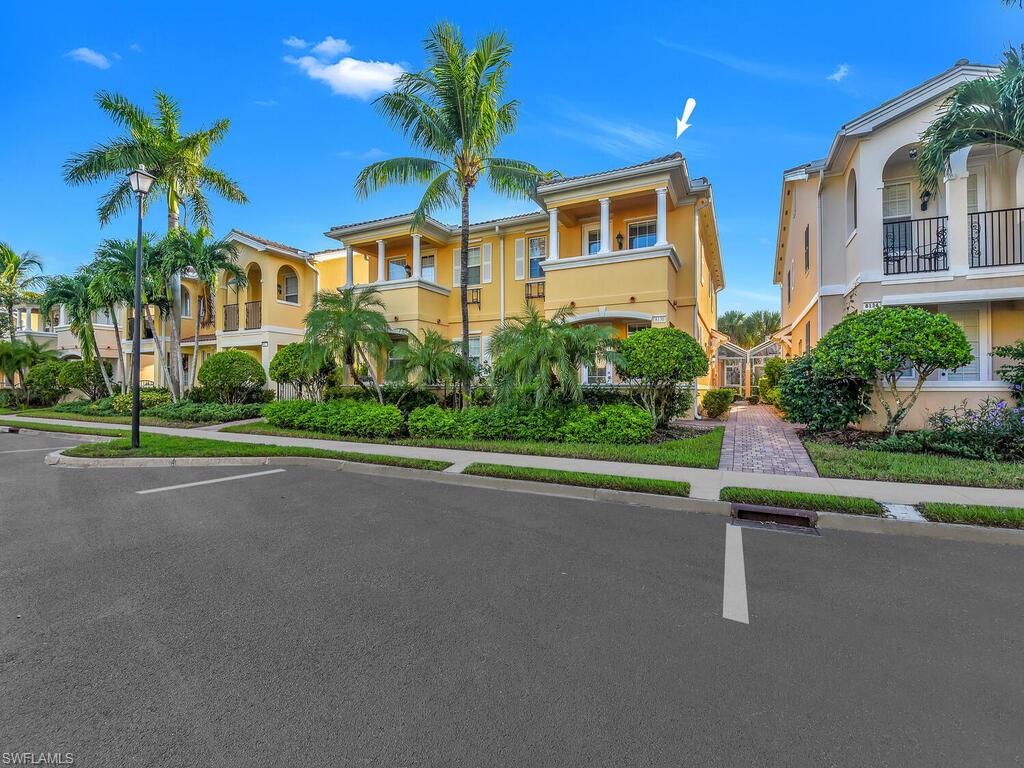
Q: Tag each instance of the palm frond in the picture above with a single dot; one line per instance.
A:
(397, 170)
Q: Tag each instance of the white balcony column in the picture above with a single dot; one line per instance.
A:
(553, 233)
(417, 264)
(63, 316)
(380, 261)
(957, 231)
(606, 229)
(662, 224)
(349, 268)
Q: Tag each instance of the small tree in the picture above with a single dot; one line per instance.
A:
(42, 383)
(232, 376)
(822, 404)
(1013, 372)
(887, 346)
(303, 366)
(85, 377)
(657, 362)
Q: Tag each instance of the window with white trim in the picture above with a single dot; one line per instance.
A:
(643, 234)
(538, 250)
(186, 302)
(969, 321)
(597, 373)
(972, 193)
(475, 350)
(591, 238)
(428, 268)
(632, 328)
(474, 268)
(896, 201)
(288, 285)
(851, 204)
(398, 268)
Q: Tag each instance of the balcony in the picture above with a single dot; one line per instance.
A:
(914, 246)
(535, 290)
(147, 332)
(412, 299)
(230, 317)
(253, 315)
(633, 279)
(996, 238)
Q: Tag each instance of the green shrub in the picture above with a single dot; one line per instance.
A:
(596, 395)
(773, 370)
(358, 418)
(660, 363)
(754, 398)
(43, 382)
(715, 402)
(435, 422)
(87, 378)
(306, 368)
(148, 398)
(1012, 372)
(286, 413)
(620, 424)
(768, 392)
(822, 403)
(186, 410)
(232, 376)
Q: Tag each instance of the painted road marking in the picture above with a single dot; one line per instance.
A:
(734, 586)
(29, 450)
(209, 482)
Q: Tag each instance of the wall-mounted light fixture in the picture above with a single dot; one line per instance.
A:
(618, 241)
(926, 196)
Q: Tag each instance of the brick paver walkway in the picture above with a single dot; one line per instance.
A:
(756, 440)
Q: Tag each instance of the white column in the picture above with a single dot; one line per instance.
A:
(63, 316)
(553, 233)
(606, 230)
(957, 232)
(662, 216)
(349, 268)
(266, 358)
(417, 266)
(380, 261)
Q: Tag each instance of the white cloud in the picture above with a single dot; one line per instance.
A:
(840, 74)
(350, 77)
(135, 48)
(295, 42)
(331, 47)
(764, 69)
(90, 57)
(621, 139)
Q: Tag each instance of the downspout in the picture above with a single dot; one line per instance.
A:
(311, 263)
(701, 205)
(821, 239)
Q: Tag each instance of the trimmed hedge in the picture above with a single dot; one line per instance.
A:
(187, 410)
(122, 404)
(715, 402)
(359, 418)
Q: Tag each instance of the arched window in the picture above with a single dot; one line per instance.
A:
(186, 302)
(288, 285)
(851, 203)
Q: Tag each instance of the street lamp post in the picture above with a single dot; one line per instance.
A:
(141, 181)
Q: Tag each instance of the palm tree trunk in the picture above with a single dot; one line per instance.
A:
(99, 362)
(120, 348)
(158, 345)
(174, 342)
(10, 319)
(464, 294)
(373, 376)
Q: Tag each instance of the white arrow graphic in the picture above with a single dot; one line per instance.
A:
(681, 122)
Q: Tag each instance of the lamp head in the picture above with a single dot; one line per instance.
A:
(141, 180)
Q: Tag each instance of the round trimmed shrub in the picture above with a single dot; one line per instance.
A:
(232, 376)
(43, 382)
(85, 377)
(659, 363)
(715, 402)
(148, 398)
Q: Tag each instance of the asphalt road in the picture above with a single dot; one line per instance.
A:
(312, 618)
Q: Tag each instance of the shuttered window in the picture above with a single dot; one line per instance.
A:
(896, 201)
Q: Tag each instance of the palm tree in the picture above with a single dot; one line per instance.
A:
(545, 355)
(72, 293)
(19, 274)
(733, 324)
(111, 290)
(346, 324)
(453, 111)
(427, 361)
(177, 160)
(986, 110)
(760, 325)
(207, 259)
(16, 357)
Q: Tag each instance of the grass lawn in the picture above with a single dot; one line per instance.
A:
(147, 421)
(867, 464)
(165, 446)
(42, 426)
(586, 479)
(816, 502)
(700, 451)
(973, 514)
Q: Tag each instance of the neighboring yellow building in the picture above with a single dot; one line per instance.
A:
(856, 231)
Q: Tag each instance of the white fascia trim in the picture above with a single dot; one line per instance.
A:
(406, 282)
(926, 277)
(256, 245)
(613, 257)
(980, 273)
(623, 173)
(258, 333)
(952, 297)
(613, 315)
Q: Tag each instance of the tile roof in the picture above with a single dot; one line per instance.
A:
(654, 161)
(265, 241)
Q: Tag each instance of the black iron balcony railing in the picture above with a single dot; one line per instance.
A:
(473, 296)
(253, 314)
(147, 332)
(996, 237)
(915, 245)
(535, 290)
(230, 317)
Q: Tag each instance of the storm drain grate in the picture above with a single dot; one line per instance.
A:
(776, 517)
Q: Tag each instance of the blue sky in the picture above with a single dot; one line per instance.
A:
(600, 86)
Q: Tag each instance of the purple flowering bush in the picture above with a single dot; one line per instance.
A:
(994, 431)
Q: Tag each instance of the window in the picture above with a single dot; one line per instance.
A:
(475, 347)
(643, 234)
(598, 373)
(397, 268)
(896, 201)
(632, 328)
(538, 252)
(851, 204)
(789, 286)
(474, 268)
(807, 248)
(807, 335)
(428, 268)
(970, 321)
(394, 361)
(972, 193)
(186, 302)
(288, 285)
(591, 238)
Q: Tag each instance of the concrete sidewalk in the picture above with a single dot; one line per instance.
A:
(704, 483)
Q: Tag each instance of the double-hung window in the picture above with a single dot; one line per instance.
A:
(474, 268)
(592, 239)
(896, 216)
(643, 234)
(428, 268)
(538, 252)
(475, 351)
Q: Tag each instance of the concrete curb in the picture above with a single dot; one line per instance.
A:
(925, 529)
(632, 498)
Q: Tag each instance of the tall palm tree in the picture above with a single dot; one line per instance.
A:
(207, 259)
(453, 111)
(177, 160)
(348, 324)
(733, 324)
(430, 360)
(19, 274)
(72, 293)
(982, 111)
(760, 325)
(111, 289)
(531, 351)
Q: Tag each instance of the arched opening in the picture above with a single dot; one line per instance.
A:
(287, 285)
(851, 203)
(186, 302)
(254, 283)
(914, 223)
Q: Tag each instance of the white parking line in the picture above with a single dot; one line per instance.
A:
(214, 480)
(734, 586)
(29, 450)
